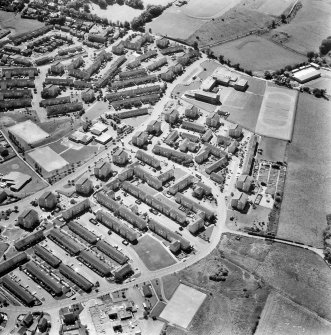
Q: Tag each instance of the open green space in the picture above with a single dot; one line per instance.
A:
(58, 147)
(308, 180)
(170, 284)
(96, 109)
(81, 155)
(153, 254)
(3, 248)
(257, 54)
(273, 149)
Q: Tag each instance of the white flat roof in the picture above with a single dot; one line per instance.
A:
(99, 127)
(305, 74)
(28, 131)
(48, 159)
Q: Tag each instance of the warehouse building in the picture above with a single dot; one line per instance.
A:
(44, 278)
(18, 291)
(118, 227)
(29, 241)
(305, 75)
(111, 252)
(76, 278)
(82, 232)
(13, 263)
(76, 210)
(95, 263)
(47, 256)
(66, 242)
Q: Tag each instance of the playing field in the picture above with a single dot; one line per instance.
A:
(48, 159)
(282, 316)
(257, 54)
(183, 305)
(153, 254)
(277, 113)
(28, 132)
(272, 149)
(270, 7)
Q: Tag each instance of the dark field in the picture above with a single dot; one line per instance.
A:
(308, 182)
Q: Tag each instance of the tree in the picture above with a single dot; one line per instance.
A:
(310, 54)
(325, 46)
(195, 45)
(283, 18)
(267, 75)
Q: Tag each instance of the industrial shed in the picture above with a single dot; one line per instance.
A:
(91, 260)
(13, 263)
(48, 281)
(47, 256)
(76, 278)
(29, 241)
(81, 231)
(112, 252)
(18, 291)
(64, 241)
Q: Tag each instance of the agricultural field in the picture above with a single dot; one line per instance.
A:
(308, 181)
(307, 29)
(237, 22)
(17, 25)
(288, 269)
(257, 54)
(115, 12)
(153, 254)
(270, 7)
(234, 303)
(283, 316)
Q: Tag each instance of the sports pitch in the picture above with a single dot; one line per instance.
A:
(153, 254)
(183, 306)
(276, 118)
(28, 132)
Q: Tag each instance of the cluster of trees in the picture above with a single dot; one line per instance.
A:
(325, 46)
(137, 4)
(148, 15)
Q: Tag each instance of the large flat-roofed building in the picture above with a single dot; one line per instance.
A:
(306, 74)
(241, 85)
(208, 84)
(28, 219)
(209, 97)
(16, 180)
(27, 133)
(47, 161)
(80, 137)
(98, 128)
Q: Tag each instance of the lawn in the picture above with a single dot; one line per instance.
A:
(81, 155)
(309, 26)
(272, 149)
(153, 254)
(270, 7)
(3, 248)
(257, 54)
(58, 147)
(308, 183)
(208, 66)
(16, 24)
(157, 310)
(96, 109)
(244, 108)
(280, 312)
(170, 284)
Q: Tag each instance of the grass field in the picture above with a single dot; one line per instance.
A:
(96, 109)
(236, 302)
(308, 183)
(174, 23)
(3, 248)
(257, 54)
(153, 254)
(16, 164)
(270, 7)
(282, 316)
(170, 284)
(272, 149)
(81, 155)
(244, 108)
(183, 305)
(300, 274)
(238, 21)
(308, 27)
(16, 25)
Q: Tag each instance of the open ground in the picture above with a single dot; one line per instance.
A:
(257, 54)
(153, 254)
(308, 181)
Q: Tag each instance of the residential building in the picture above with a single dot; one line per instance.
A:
(181, 184)
(207, 136)
(239, 201)
(88, 95)
(84, 186)
(194, 126)
(187, 145)
(103, 170)
(171, 116)
(172, 138)
(48, 200)
(216, 166)
(176, 156)
(236, 132)
(140, 138)
(120, 157)
(223, 140)
(244, 183)
(209, 97)
(192, 113)
(154, 127)
(57, 68)
(217, 177)
(213, 120)
(28, 219)
(148, 159)
(202, 156)
(196, 226)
